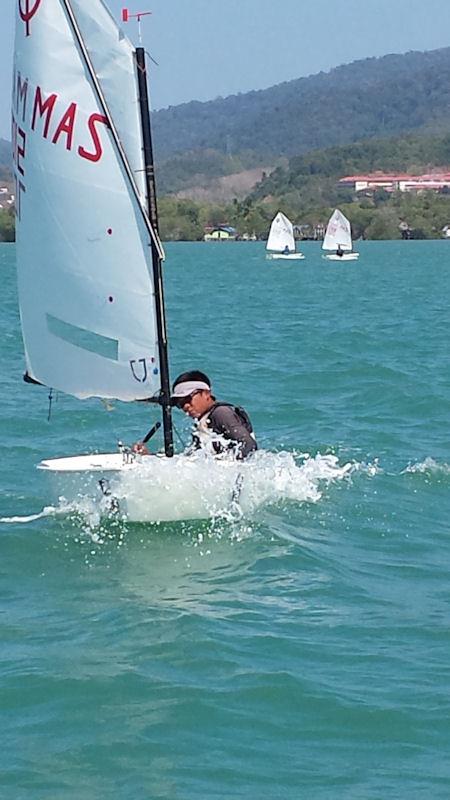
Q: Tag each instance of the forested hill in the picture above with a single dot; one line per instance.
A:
(375, 97)
(314, 175)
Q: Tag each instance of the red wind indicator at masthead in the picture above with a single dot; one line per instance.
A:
(126, 16)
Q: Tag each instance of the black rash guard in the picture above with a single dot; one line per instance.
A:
(231, 422)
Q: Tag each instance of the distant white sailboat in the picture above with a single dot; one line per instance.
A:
(281, 241)
(338, 239)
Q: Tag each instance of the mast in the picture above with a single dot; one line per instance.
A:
(156, 255)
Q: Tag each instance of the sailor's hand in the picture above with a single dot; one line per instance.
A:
(140, 449)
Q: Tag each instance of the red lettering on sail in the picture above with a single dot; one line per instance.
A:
(21, 91)
(42, 112)
(66, 126)
(21, 147)
(27, 13)
(43, 107)
(98, 151)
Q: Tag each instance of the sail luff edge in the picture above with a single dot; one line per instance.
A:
(115, 136)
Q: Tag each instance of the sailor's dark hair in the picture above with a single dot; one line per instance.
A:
(193, 375)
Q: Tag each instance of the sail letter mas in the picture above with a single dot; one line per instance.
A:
(63, 126)
(43, 113)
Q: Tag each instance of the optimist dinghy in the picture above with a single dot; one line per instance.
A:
(281, 241)
(89, 257)
(338, 238)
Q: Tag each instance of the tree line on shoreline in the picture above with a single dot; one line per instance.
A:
(379, 217)
(7, 225)
(307, 190)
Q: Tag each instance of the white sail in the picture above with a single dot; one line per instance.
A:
(85, 283)
(112, 56)
(338, 234)
(281, 235)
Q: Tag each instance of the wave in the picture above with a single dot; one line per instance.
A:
(428, 466)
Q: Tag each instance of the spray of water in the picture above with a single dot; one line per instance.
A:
(197, 487)
(428, 467)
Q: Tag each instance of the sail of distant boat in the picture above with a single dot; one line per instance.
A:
(281, 241)
(281, 235)
(338, 233)
(338, 237)
(84, 238)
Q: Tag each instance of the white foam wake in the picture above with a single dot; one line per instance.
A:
(197, 486)
(48, 511)
(201, 487)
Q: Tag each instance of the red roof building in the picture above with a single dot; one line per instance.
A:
(397, 182)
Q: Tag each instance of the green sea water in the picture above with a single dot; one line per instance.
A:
(298, 652)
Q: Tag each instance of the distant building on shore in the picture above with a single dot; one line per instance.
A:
(397, 182)
(307, 231)
(221, 233)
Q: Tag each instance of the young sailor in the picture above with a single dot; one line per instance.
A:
(222, 425)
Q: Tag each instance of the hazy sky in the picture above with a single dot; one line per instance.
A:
(207, 48)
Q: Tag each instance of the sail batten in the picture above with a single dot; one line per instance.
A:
(86, 288)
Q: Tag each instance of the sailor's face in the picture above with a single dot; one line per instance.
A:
(197, 403)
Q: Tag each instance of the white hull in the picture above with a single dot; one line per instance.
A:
(97, 464)
(286, 257)
(149, 488)
(344, 257)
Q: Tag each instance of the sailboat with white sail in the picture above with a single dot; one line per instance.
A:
(89, 257)
(338, 239)
(281, 241)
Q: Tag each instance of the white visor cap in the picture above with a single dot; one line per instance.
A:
(188, 387)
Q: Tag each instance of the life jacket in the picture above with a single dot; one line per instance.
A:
(241, 412)
(207, 426)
